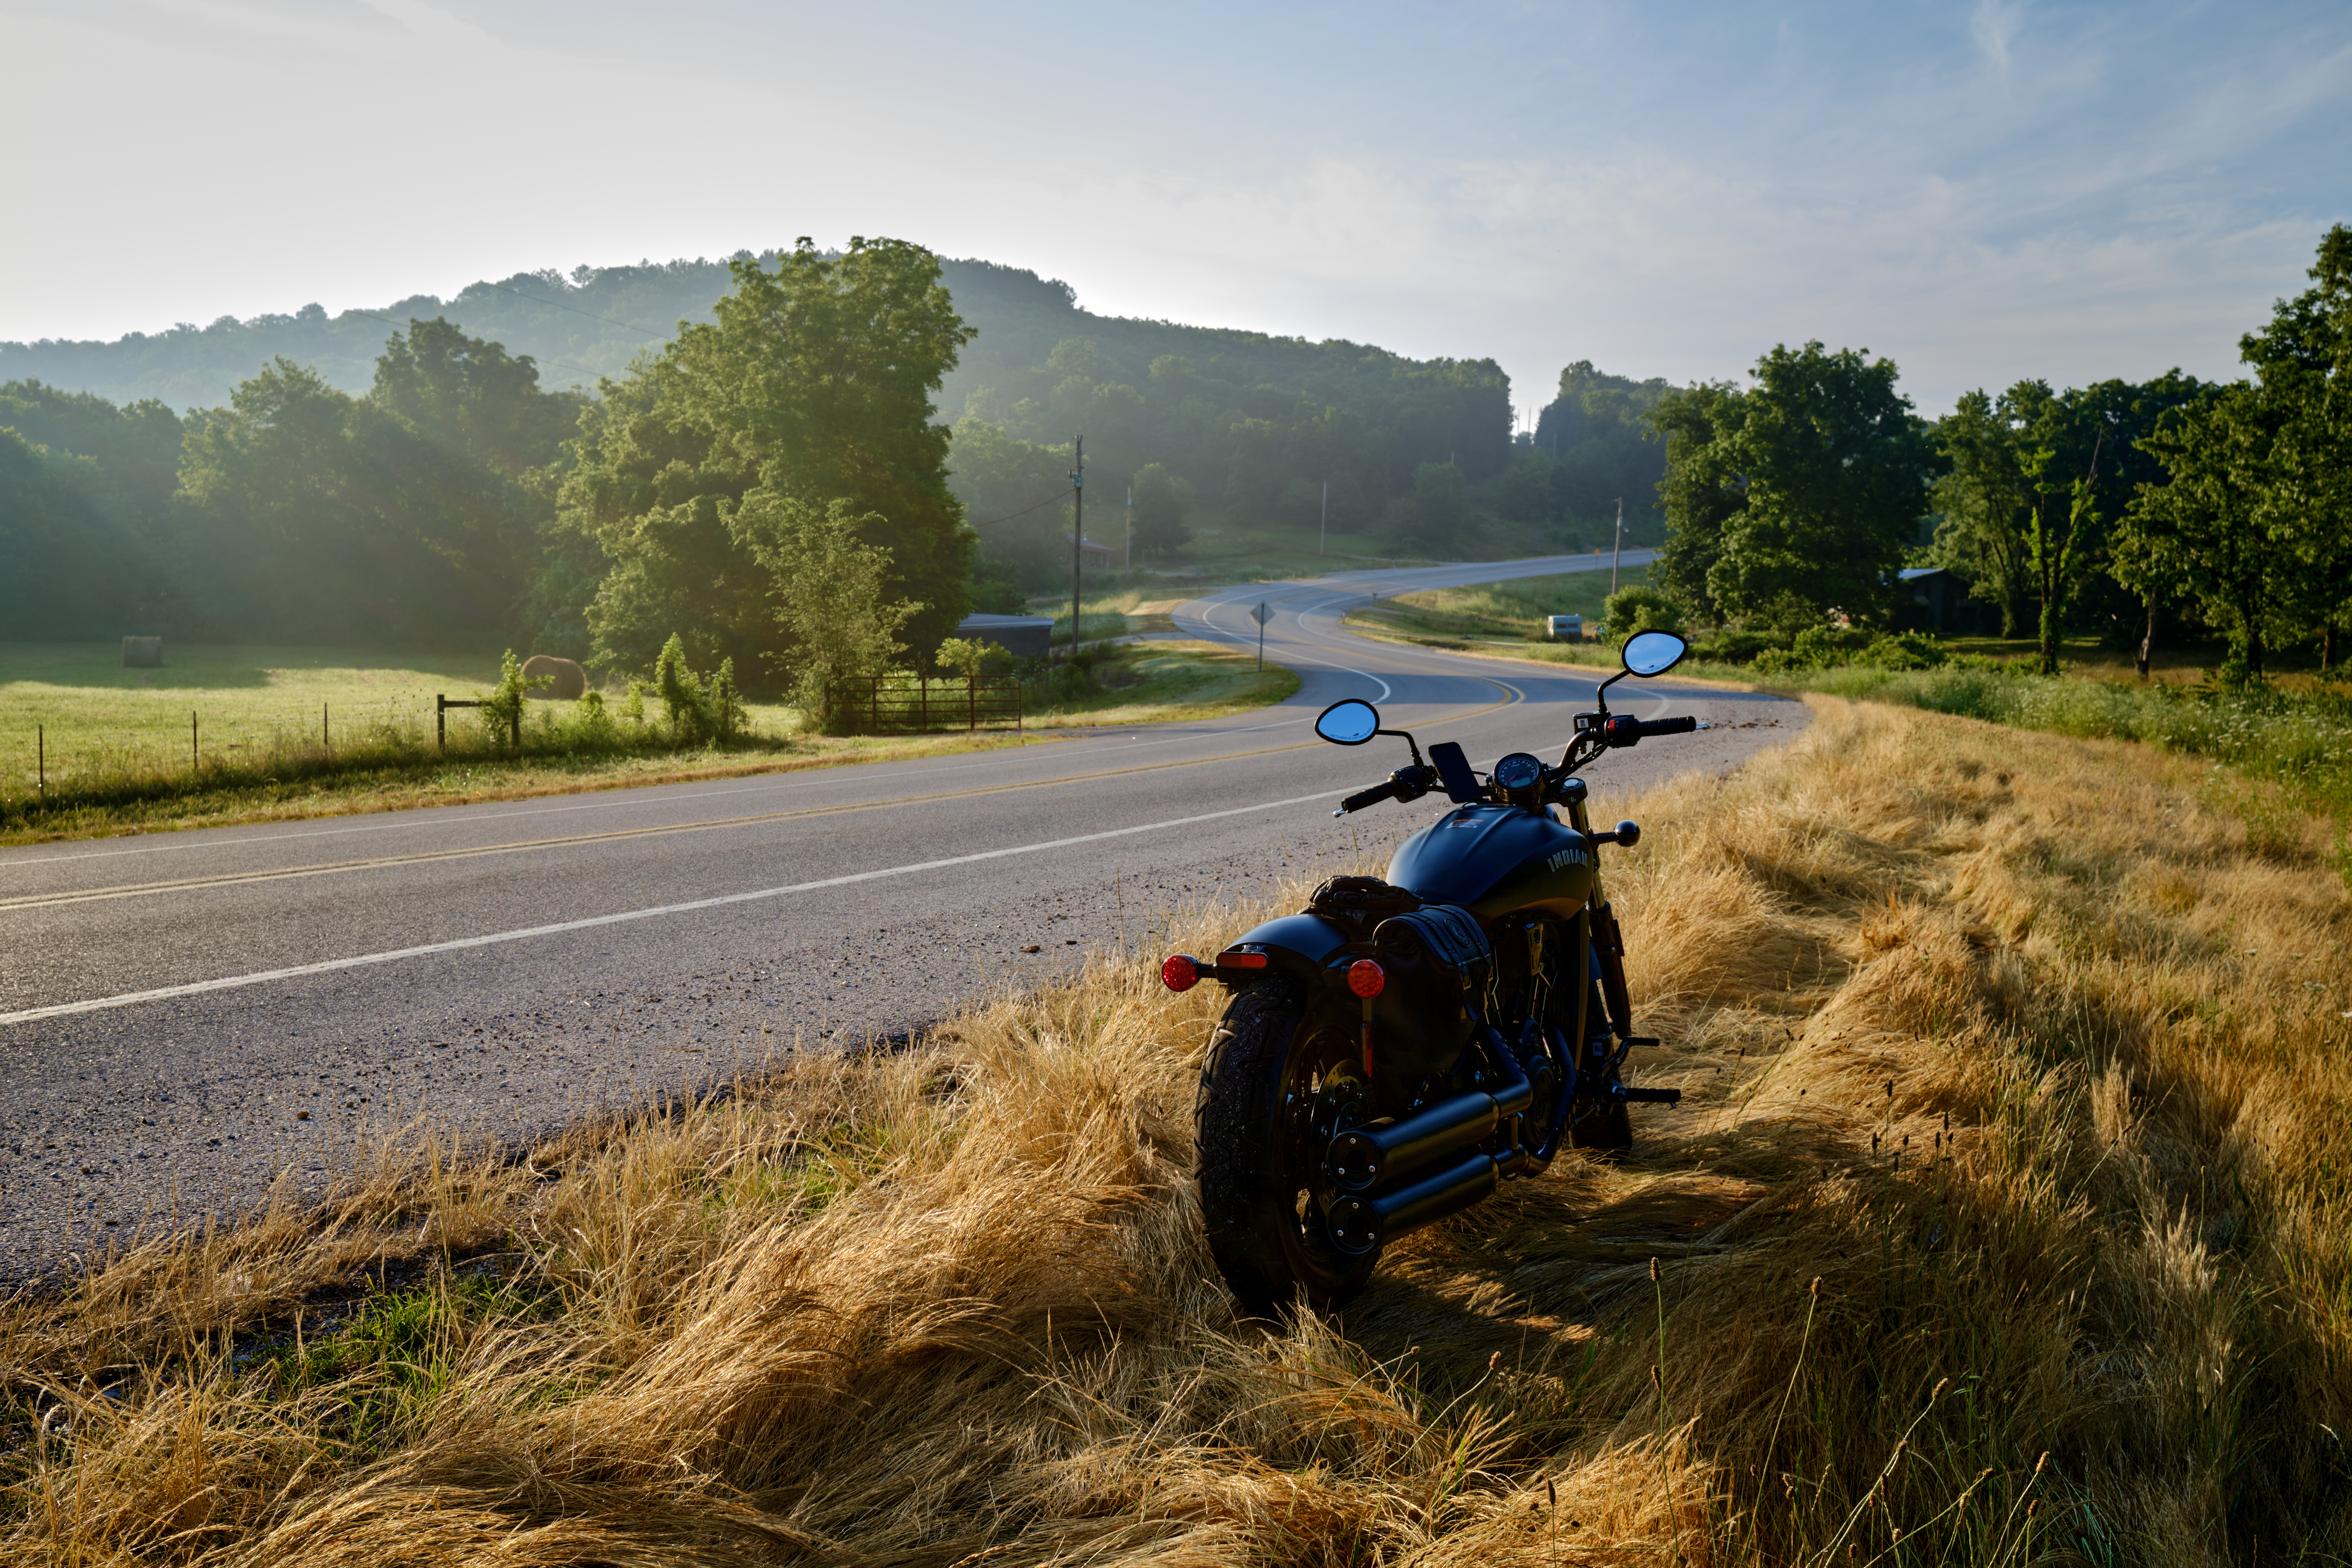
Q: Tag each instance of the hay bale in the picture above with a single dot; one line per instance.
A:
(143, 653)
(566, 680)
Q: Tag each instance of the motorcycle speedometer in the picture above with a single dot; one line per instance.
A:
(1518, 773)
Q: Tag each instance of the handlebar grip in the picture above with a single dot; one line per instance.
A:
(1682, 726)
(1372, 796)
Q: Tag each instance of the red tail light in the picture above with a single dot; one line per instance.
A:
(1367, 979)
(1180, 972)
(1240, 961)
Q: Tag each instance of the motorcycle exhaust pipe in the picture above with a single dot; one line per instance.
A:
(1362, 1157)
(1359, 1223)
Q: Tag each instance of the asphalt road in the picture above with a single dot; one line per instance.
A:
(183, 1017)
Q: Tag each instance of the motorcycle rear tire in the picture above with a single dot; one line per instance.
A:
(1262, 1187)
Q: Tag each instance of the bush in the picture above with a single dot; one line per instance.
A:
(1901, 650)
(1641, 608)
(698, 709)
(1739, 645)
(501, 711)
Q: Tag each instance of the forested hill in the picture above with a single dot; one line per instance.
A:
(593, 321)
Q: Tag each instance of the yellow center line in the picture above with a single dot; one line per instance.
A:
(427, 857)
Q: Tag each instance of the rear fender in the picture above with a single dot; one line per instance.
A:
(1300, 943)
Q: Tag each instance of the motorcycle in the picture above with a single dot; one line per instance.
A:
(1404, 1045)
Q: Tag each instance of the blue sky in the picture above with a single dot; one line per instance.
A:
(1982, 192)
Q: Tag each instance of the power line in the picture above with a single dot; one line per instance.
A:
(1026, 510)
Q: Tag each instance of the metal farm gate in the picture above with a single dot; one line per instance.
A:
(885, 703)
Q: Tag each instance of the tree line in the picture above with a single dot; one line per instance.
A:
(2141, 512)
(784, 444)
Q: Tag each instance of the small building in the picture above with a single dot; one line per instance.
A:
(1023, 636)
(1093, 557)
(1564, 628)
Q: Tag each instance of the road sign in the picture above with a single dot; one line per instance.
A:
(1263, 614)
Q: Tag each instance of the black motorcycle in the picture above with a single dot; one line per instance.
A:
(1404, 1044)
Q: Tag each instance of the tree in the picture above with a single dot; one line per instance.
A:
(317, 517)
(2305, 361)
(1160, 501)
(1983, 504)
(814, 385)
(1702, 490)
(2215, 522)
(830, 593)
(820, 376)
(1833, 472)
(470, 396)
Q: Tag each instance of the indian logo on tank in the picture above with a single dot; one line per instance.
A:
(1568, 857)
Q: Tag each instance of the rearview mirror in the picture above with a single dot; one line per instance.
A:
(1349, 723)
(1654, 652)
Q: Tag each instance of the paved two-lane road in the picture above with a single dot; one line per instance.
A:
(183, 1016)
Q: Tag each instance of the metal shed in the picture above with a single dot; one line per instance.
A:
(1023, 636)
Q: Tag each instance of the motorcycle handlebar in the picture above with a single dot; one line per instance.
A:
(1364, 797)
(1624, 731)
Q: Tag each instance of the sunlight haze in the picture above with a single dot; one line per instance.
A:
(1980, 192)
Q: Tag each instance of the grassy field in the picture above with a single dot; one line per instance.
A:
(1509, 613)
(2004, 1221)
(118, 754)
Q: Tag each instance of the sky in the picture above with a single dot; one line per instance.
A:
(1981, 192)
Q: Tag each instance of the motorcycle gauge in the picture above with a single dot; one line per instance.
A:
(1519, 775)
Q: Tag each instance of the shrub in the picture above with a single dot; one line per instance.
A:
(1901, 650)
(501, 711)
(1739, 645)
(1641, 608)
(697, 709)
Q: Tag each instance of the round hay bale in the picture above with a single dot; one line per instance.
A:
(566, 680)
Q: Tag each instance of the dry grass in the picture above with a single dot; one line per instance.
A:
(2016, 1127)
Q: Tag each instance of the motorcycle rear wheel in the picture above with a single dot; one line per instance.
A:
(1273, 1092)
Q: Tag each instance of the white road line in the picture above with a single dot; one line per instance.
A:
(228, 983)
(821, 776)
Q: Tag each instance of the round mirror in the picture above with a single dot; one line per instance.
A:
(1349, 723)
(1654, 652)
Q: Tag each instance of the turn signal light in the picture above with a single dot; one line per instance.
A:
(1366, 979)
(1180, 972)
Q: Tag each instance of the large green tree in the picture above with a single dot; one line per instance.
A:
(1702, 490)
(469, 397)
(313, 516)
(1830, 470)
(2305, 361)
(814, 385)
(2219, 520)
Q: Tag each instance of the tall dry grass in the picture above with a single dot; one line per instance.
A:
(2003, 1221)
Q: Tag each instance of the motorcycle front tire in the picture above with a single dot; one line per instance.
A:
(1262, 1188)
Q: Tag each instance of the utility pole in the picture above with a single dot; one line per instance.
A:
(1619, 549)
(1128, 563)
(1323, 534)
(1078, 531)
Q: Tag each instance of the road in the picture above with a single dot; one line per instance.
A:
(183, 1017)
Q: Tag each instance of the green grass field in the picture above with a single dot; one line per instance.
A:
(1506, 615)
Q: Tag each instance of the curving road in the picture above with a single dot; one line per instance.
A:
(184, 1016)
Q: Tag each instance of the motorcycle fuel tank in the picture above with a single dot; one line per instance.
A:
(1495, 859)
